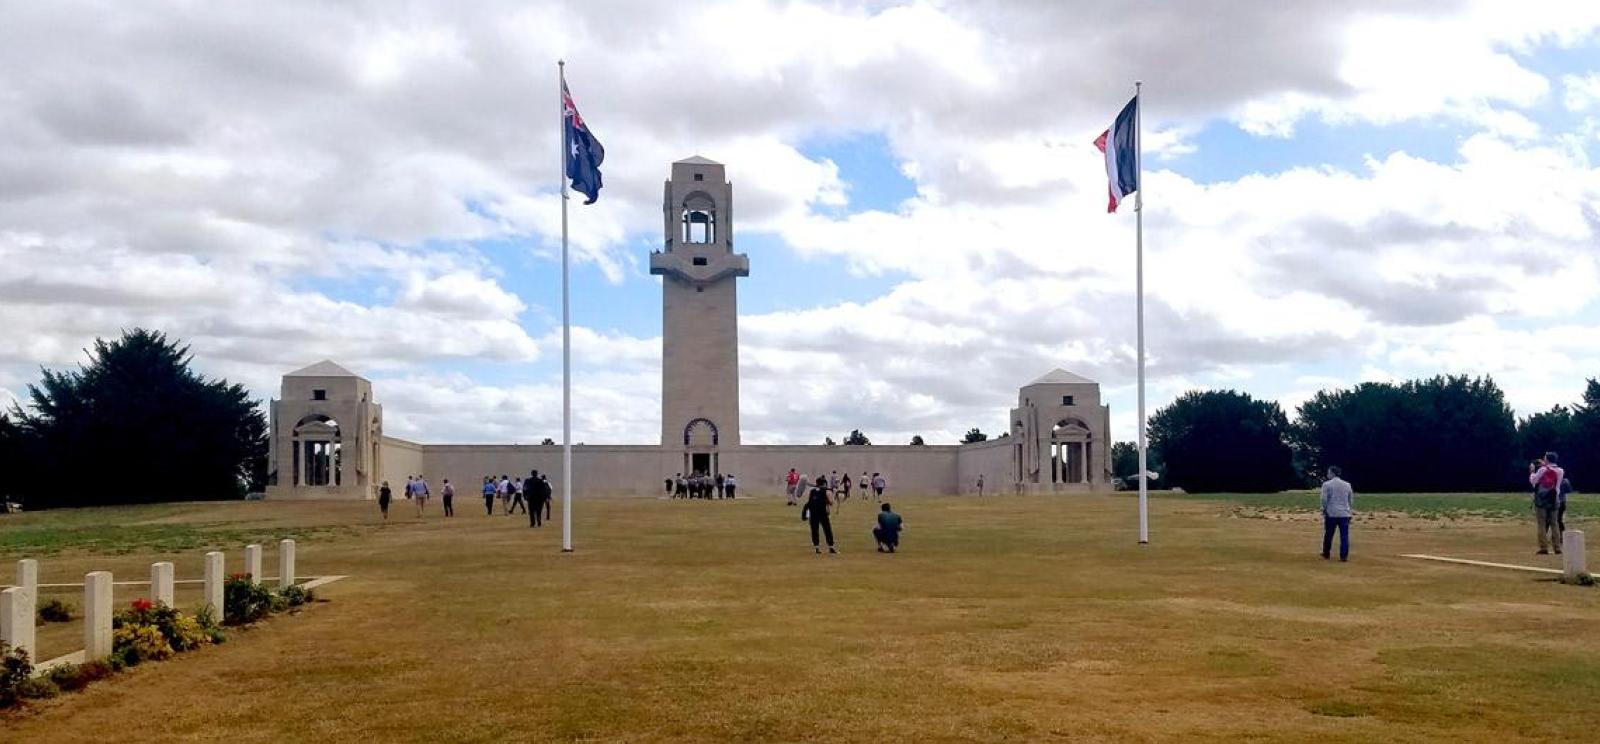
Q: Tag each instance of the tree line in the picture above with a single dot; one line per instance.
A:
(133, 425)
(1447, 433)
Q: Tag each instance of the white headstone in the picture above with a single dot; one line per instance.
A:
(1572, 560)
(286, 563)
(161, 582)
(97, 615)
(252, 562)
(214, 579)
(16, 623)
(28, 582)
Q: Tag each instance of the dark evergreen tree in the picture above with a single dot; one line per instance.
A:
(137, 425)
(1441, 434)
(857, 438)
(973, 435)
(1222, 440)
(916, 440)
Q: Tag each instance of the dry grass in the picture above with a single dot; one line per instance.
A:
(1024, 619)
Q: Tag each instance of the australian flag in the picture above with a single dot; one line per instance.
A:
(584, 153)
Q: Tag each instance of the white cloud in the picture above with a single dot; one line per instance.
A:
(1582, 91)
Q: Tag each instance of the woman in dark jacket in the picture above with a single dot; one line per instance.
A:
(816, 512)
(384, 494)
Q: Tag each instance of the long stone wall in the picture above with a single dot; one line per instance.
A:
(398, 458)
(639, 470)
(995, 460)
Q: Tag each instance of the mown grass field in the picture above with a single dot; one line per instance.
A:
(1010, 618)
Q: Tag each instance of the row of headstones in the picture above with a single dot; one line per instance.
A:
(19, 603)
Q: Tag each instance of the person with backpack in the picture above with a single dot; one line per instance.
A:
(546, 493)
(816, 512)
(1545, 476)
(447, 493)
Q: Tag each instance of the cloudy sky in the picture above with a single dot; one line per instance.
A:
(1336, 191)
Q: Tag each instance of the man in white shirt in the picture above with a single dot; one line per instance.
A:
(422, 494)
(1338, 506)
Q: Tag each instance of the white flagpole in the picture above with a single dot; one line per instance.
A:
(566, 327)
(1138, 213)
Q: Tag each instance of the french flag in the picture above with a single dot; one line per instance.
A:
(1120, 148)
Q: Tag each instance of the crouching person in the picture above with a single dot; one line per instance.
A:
(887, 533)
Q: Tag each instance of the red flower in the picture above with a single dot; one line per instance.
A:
(240, 576)
(143, 604)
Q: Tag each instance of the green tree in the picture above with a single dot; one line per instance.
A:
(1553, 430)
(1222, 440)
(1582, 453)
(828, 442)
(1441, 434)
(916, 440)
(973, 435)
(146, 425)
(1125, 459)
(857, 438)
(548, 442)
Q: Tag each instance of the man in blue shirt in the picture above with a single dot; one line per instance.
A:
(887, 533)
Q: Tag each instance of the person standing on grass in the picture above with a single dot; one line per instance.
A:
(816, 512)
(980, 485)
(791, 486)
(384, 494)
(1545, 477)
(411, 487)
(532, 485)
(878, 484)
(489, 491)
(682, 485)
(1338, 505)
(447, 493)
(887, 533)
(546, 493)
(1561, 510)
(866, 485)
(732, 484)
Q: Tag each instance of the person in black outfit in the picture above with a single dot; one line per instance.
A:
(549, 495)
(816, 512)
(530, 486)
(384, 494)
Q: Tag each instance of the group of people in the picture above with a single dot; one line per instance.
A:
(532, 494)
(796, 485)
(817, 512)
(698, 485)
(1546, 477)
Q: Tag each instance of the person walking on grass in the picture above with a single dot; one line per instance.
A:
(518, 491)
(422, 495)
(535, 488)
(447, 493)
(384, 494)
(503, 490)
(411, 487)
(1338, 505)
(1545, 476)
(489, 492)
(816, 512)
(887, 533)
(844, 487)
(878, 484)
(980, 485)
(791, 486)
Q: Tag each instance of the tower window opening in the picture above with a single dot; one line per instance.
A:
(319, 395)
(699, 226)
(699, 176)
(1066, 400)
(699, 260)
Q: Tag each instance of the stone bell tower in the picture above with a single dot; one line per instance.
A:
(700, 314)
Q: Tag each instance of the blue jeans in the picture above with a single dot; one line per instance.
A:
(1342, 524)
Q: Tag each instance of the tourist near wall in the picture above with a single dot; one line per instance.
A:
(398, 458)
(995, 460)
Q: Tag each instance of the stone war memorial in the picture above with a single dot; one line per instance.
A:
(327, 437)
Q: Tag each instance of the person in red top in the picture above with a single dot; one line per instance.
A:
(793, 483)
(1545, 476)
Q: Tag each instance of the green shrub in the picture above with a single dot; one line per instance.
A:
(70, 677)
(244, 601)
(37, 688)
(152, 631)
(206, 616)
(15, 670)
(296, 595)
(54, 611)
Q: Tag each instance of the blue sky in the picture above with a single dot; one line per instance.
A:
(915, 184)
